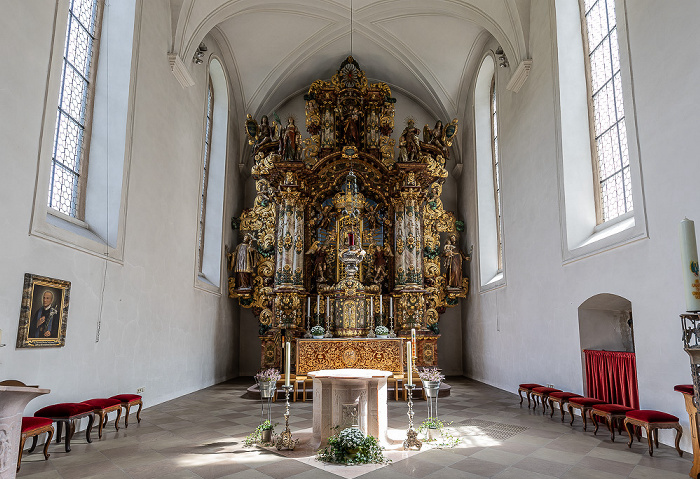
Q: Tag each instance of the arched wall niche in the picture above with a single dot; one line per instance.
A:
(605, 323)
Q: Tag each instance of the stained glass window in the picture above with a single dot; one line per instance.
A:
(496, 171)
(205, 169)
(608, 113)
(68, 165)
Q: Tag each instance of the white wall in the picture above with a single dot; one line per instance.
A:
(527, 331)
(157, 330)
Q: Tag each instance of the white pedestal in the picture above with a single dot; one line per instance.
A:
(336, 388)
(13, 400)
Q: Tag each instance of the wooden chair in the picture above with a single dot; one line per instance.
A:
(584, 405)
(127, 402)
(560, 398)
(614, 415)
(32, 427)
(102, 407)
(66, 414)
(652, 421)
(397, 380)
(542, 394)
(527, 389)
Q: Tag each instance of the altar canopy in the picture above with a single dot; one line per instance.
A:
(347, 229)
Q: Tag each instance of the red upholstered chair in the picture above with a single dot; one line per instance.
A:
(684, 388)
(652, 421)
(127, 401)
(542, 393)
(66, 413)
(32, 427)
(584, 405)
(614, 415)
(560, 398)
(102, 407)
(527, 389)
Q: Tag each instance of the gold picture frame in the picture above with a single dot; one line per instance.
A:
(44, 312)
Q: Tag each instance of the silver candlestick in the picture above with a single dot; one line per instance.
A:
(392, 334)
(307, 334)
(371, 333)
(411, 435)
(285, 440)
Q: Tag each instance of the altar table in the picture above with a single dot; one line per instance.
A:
(357, 353)
(347, 397)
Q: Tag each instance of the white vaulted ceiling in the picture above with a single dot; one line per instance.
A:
(426, 49)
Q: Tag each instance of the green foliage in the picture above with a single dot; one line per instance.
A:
(446, 438)
(266, 252)
(459, 225)
(434, 328)
(318, 330)
(352, 447)
(262, 329)
(255, 437)
(431, 253)
(381, 330)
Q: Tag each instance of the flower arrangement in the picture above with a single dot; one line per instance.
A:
(256, 437)
(317, 330)
(351, 447)
(434, 424)
(381, 330)
(430, 374)
(267, 375)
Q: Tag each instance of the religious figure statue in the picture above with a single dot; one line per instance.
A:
(381, 258)
(409, 145)
(453, 258)
(242, 262)
(351, 128)
(264, 134)
(436, 137)
(319, 268)
(289, 142)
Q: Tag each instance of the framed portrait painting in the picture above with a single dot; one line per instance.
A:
(44, 312)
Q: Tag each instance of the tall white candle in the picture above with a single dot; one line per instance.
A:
(318, 304)
(328, 307)
(371, 307)
(689, 257)
(308, 306)
(287, 362)
(391, 306)
(381, 305)
(409, 362)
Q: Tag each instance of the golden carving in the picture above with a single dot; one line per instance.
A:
(317, 354)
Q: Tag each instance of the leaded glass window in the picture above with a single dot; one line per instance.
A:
(71, 137)
(607, 109)
(205, 169)
(496, 171)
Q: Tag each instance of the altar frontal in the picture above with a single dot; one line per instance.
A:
(347, 230)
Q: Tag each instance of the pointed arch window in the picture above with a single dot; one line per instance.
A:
(73, 122)
(205, 170)
(606, 110)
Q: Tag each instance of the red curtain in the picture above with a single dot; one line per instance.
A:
(612, 377)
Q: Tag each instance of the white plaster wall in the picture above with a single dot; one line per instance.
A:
(157, 330)
(527, 331)
(450, 343)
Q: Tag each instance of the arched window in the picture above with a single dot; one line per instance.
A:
(606, 111)
(211, 199)
(496, 171)
(72, 134)
(488, 176)
(205, 170)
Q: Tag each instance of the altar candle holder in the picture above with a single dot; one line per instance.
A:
(392, 334)
(411, 435)
(285, 440)
(328, 324)
(307, 334)
(371, 333)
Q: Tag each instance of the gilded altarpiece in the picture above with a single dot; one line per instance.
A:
(347, 228)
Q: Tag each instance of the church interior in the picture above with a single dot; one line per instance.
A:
(204, 190)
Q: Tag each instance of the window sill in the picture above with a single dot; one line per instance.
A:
(614, 233)
(498, 281)
(60, 228)
(201, 282)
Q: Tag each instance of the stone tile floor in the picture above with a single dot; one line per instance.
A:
(200, 435)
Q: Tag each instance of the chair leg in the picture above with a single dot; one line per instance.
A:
(46, 444)
(68, 436)
(571, 413)
(128, 407)
(34, 441)
(595, 423)
(89, 428)
(611, 426)
(629, 433)
(21, 447)
(583, 416)
(551, 408)
(138, 413)
(528, 394)
(520, 393)
(656, 437)
(59, 431)
(102, 418)
(116, 421)
(679, 433)
(561, 409)
(544, 405)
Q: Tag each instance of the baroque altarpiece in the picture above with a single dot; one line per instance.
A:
(347, 229)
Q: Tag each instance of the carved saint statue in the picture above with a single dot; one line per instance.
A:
(243, 262)
(319, 268)
(289, 142)
(381, 258)
(409, 145)
(453, 258)
(264, 134)
(351, 128)
(436, 137)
